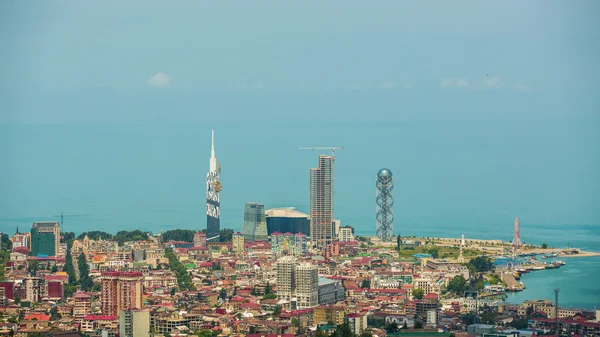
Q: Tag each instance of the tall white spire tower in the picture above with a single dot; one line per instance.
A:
(517, 235)
(213, 200)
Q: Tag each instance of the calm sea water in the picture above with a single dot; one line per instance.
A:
(451, 179)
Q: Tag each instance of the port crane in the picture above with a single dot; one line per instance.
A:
(62, 217)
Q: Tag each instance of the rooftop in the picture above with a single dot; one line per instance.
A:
(285, 212)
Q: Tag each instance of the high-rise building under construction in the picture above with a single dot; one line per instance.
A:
(321, 202)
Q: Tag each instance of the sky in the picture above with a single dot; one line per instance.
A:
(483, 110)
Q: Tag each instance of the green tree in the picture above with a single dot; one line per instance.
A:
(399, 242)
(173, 291)
(33, 266)
(226, 235)
(343, 330)
(544, 246)
(84, 273)
(482, 264)
(433, 252)
(54, 269)
(67, 236)
(457, 285)
(277, 311)
(366, 283)
(270, 296)
(418, 325)
(268, 288)
(223, 294)
(519, 323)
(54, 315)
(418, 293)
(68, 267)
(186, 235)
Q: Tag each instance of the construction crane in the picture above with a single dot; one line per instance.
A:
(318, 148)
(62, 217)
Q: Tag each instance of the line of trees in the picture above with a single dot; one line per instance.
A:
(183, 278)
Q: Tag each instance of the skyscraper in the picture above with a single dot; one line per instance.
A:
(213, 201)
(321, 202)
(45, 238)
(385, 205)
(121, 291)
(255, 224)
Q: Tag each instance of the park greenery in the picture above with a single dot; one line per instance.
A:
(183, 277)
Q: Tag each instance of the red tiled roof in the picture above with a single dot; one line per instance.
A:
(39, 317)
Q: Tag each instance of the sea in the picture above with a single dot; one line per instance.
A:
(451, 178)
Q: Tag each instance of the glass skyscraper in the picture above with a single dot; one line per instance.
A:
(213, 197)
(255, 223)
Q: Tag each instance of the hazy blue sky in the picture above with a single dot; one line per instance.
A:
(483, 110)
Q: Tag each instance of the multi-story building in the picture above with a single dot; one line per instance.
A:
(255, 224)
(307, 286)
(346, 234)
(33, 288)
(276, 243)
(82, 306)
(300, 241)
(121, 291)
(200, 240)
(321, 203)
(134, 323)
(325, 314)
(357, 322)
(21, 240)
(45, 238)
(239, 245)
(330, 291)
(286, 268)
(287, 219)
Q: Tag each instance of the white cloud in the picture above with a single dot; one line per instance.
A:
(493, 81)
(454, 83)
(160, 80)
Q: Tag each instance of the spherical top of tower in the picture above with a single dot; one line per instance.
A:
(384, 173)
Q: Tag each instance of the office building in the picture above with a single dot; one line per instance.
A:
(255, 224)
(385, 205)
(321, 203)
(200, 240)
(213, 197)
(307, 286)
(287, 219)
(121, 291)
(45, 238)
(134, 323)
(330, 291)
(286, 268)
(238, 243)
(346, 234)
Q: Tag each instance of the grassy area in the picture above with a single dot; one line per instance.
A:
(443, 252)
